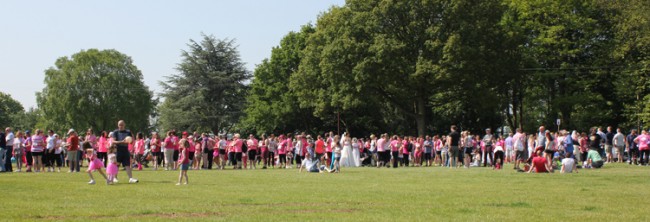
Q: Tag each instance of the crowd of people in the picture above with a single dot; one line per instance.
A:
(539, 152)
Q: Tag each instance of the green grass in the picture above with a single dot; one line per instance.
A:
(618, 192)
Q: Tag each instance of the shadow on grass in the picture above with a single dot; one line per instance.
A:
(513, 205)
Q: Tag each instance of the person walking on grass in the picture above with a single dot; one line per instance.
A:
(184, 159)
(122, 154)
(94, 164)
(38, 146)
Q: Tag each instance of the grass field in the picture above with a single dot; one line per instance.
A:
(618, 192)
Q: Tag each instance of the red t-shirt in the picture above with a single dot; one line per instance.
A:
(540, 164)
(73, 143)
(320, 144)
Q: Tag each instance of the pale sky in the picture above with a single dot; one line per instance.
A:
(34, 33)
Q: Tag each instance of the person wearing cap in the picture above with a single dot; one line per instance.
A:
(72, 145)
(122, 155)
(488, 141)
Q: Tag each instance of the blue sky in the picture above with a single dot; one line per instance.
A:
(153, 32)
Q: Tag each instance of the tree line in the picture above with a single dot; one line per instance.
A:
(407, 67)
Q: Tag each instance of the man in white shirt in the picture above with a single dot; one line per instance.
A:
(568, 164)
(619, 144)
(9, 148)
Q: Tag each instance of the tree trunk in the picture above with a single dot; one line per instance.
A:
(420, 117)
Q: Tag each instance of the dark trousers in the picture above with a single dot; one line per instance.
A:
(486, 154)
(405, 159)
(102, 156)
(28, 157)
(644, 156)
(396, 158)
(8, 155)
(632, 154)
(210, 157)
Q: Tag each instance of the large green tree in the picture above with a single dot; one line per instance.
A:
(271, 105)
(94, 89)
(208, 92)
(9, 110)
(420, 60)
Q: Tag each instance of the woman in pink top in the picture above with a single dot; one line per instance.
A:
(237, 147)
(169, 151)
(282, 152)
(102, 148)
(252, 143)
(405, 150)
(644, 150)
(138, 149)
(394, 148)
(154, 145)
(38, 146)
(328, 147)
(91, 138)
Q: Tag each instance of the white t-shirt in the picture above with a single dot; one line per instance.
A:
(568, 164)
(10, 138)
(51, 142)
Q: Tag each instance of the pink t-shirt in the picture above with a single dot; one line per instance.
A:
(437, 145)
(394, 145)
(252, 144)
(169, 144)
(93, 140)
(192, 148)
(102, 145)
(642, 141)
(289, 144)
(139, 146)
(175, 142)
(37, 143)
(282, 149)
(328, 145)
(380, 145)
(237, 145)
(405, 146)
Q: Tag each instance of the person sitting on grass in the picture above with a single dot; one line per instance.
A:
(594, 160)
(539, 164)
(568, 164)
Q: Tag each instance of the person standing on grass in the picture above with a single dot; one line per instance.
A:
(539, 164)
(428, 150)
(3, 151)
(252, 144)
(381, 151)
(632, 148)
(336, 149)
(509, 148)
(320, 149)
(18, 150)
(642, 141)
(184, 159)
(394, 150)
(139, 149)
(237, 144)
(102, 148)
(453, 140)
(619, 144)
(519, 143)
(568, 164)
(28, 151)
(437, 146)
(122, 154)
(154, 145)
(550, 149)
(609, 138)
(94, 164)
(9, 148)
(488, 141)
(72, 149)
(38, 146)
(272, 144)
(169, 151)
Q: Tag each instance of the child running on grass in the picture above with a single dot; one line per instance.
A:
(94, 164)
(184, 161)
